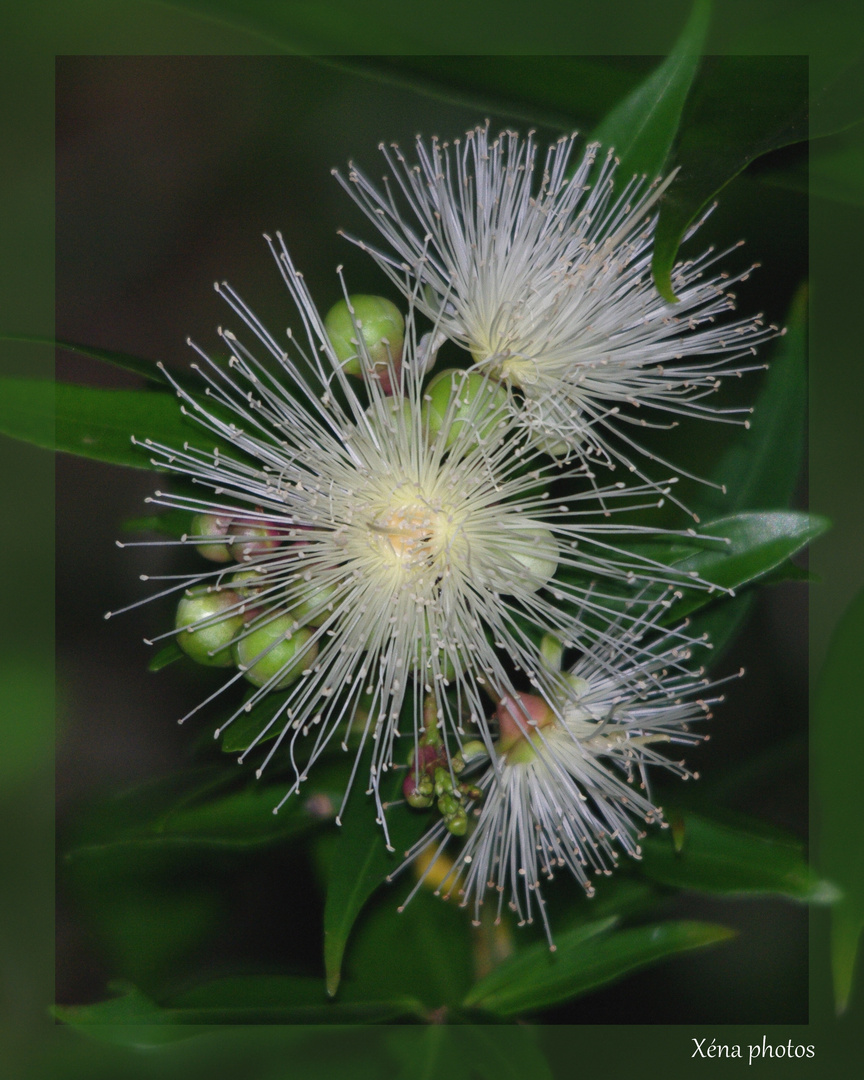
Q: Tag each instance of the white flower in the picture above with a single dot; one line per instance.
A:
(568, 783)
(543, 272)
(379, 551)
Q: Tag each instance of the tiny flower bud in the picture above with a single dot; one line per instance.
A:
(250, 537)
(457, 822)
(455, 398)
(211, 526)
(517, 718)
(277, 650)
(537, 554)
(379, 324)
(204, 635)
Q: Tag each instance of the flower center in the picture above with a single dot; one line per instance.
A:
(408, 536)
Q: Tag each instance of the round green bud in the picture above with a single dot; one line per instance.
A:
(454, 399)
(457, 823)
(449, 805)
(208, 625)
(251, 537)
(537, 553)
(316, 603)
(278, 651)
(380, 325)
(247, 583)
(211, 526)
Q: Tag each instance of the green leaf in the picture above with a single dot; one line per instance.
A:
(758, 543)
(556, 91)
(737, 858)
(741, 108)
(258, 1000)
(359, 862)
(642, 127)
(586, 957)
(97, 423)
(148, 369)
(761, 467)
(167, 655)
(838, 750)
(437, 945)
(203, 818)
(130, 1019)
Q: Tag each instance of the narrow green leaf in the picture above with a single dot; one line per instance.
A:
(129, 1019)
(758, 543)
(741, 108)
(737, 858)
(167, 655)
(555, 91)
(536, 978)
(203, 817)
(137, 364)
(838, 750)
(359, 863)
(263, 1000)
(761, 466)
(643, 126)
(97, 423)
(173, 523)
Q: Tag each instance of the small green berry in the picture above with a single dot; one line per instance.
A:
(455, 398)
(204, 635)
(211, 526)
(379, 324)
(277, 651)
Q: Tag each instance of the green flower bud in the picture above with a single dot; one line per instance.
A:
(206, 633)
(316, 604)
(380, 325)
(449, 805)
(277, 650)
(251, 537)
(457, 823)
(455, 398)
(212, 526)
(473, 750)
(537, 553)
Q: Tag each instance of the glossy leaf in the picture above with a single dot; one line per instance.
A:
(129, 1018)
(437, 944)
(737, 858)
(169, 654)
(97, 423)
(586, 957)
(359, 862)
(838, 750)
(557, 91)
(745, 107)
(203, 818)
(261, 1000)
(642, 127)
(761, 467)
(145, 368)
(758, 543)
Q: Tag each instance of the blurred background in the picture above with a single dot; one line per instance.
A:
(168, 171)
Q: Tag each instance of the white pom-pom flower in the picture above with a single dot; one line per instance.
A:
(567, 785)
(542, 270)
(371, 539)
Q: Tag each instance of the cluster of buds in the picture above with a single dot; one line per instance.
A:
(433, 774)
(230, 623)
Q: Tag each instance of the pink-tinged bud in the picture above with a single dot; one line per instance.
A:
(211, 526)
(252, 536)
(517, 718)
